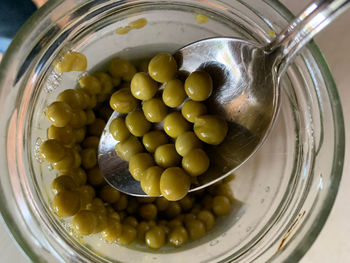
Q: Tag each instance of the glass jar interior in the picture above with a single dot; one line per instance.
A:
(270, 187)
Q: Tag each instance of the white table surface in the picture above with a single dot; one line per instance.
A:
(332, 244)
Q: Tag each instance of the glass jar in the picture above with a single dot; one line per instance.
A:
(285, 191)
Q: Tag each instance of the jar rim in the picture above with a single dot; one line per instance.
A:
(25, 34)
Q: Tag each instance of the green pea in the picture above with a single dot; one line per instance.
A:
(95, 177)
(133, 206)
(73, 98)
(113, 230)
(67, 163)
(188, 217)
(196, 162)
(118, 129)
(120, 68)
(71, 61)
(89, 158)
(155, 237)
(196, 209)
(128, 235)
(148, 211)
(78, 175)
(186, 203)
(109, 194)
(207, 218)
(195, 228)
(141, 229)
(151, 223)
(131, 221)
(76, 147)
(173, 210)
(225, 190)
(186, 142)
(174, 93)
(86, 103)
(106, 82)
(137, 123)
(98, 206)
(162, 67)
(166, 156)
(92, 102)
(85, 222)
(123, 101)
(210, 129)
(161, 203)
(122, 203)
(139, 163)
(66, 203)
(175, 124)
(63, 182)
(90, 117)
(78, 119)
(199, 86)
(221, 205)
(174, 183)
(59, 114)
(52, 151)
(90, 84)
(62, 134)
(79, 134)
(150, 181)
(154, 110)
(193, 109)
(87, 194)
(164, 226)
(102, 220)
(112, 213)
(174, 223)
(178, 236)
(77, 159)
(153, 139)
(129, 147)
(143, 87)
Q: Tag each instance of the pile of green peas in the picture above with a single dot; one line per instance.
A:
(167, 160)
(77, 118)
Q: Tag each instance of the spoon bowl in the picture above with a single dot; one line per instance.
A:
(238, 95)
(246, 93)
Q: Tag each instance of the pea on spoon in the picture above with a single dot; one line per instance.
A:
(246, 77)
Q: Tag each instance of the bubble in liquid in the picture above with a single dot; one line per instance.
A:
(52, 82)
(37, 144)
(214, 242)
(50, 168)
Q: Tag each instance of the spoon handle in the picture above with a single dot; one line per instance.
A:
(303, 28)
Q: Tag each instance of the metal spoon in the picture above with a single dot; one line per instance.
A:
(246, 77)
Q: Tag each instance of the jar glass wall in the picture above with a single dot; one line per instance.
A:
(285, 192)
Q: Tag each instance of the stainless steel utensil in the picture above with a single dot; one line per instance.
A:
(246, 77)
